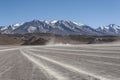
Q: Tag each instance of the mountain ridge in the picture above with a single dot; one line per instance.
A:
(56, 26)
(62, 27)
(111, 29)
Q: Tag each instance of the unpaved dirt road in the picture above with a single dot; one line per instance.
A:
(80, 62)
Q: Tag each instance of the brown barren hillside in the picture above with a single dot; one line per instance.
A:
(42, 39)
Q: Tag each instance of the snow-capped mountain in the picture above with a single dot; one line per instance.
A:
(56, 26)
(9, 29)
(111, 29)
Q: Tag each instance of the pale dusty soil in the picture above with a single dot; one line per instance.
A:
(63, 62)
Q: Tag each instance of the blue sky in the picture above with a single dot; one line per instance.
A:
(91, 12)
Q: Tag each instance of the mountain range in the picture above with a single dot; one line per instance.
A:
(111, 29)
(62, 27)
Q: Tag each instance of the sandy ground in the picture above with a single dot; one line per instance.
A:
(60, 62)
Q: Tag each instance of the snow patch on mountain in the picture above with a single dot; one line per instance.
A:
(31, 29)
(54, 21)
(78, 24)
